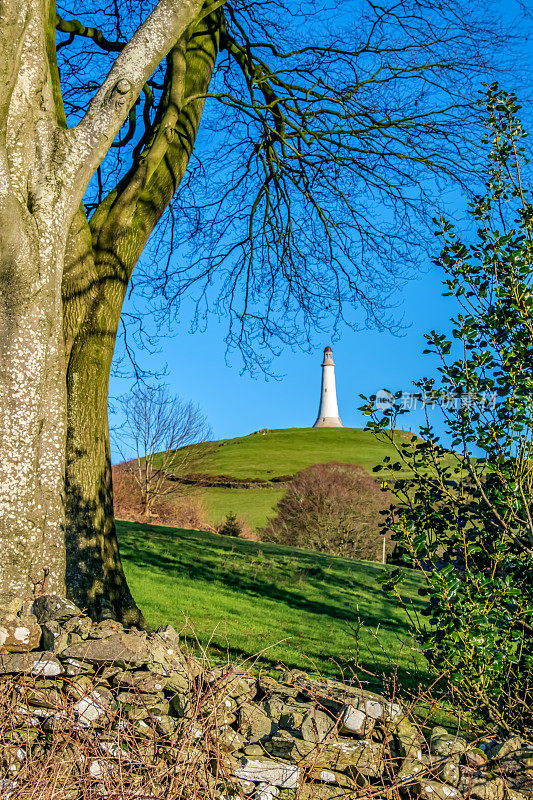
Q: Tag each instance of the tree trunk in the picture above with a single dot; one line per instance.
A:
(32, 403)
(95, 577)
(120, 229)
(33, 210)
(44, 172)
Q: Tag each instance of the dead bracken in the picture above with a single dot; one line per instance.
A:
(106, 712)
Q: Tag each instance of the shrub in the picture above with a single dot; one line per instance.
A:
(332, 508)
(466, 517)
(231, 526)
(181, 511)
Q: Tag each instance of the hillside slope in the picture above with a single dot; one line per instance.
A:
(243, 598)
(270, 454)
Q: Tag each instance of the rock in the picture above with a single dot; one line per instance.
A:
(33, 663)
(233, 683)
(170, 637)
(52, 607)
(12, 757)
(357, 758)
(54, 637)
(166, 725)
(105, 628)
(81, 626)
(245, 788)
(275, 705)
(503, 749)
(253, 750)
(100, 768)
(332, 778)
(141, 681)
(513, 794)
(307, 721)
(47, 696)
(524, 756)
(362, 757)
(7, 789)
(476, 758)
(335, 695)
(270, 686)
(411, 767)
(122, 649)
(91, 707)
(230, 739)
(74, 667)
(355, 721)
(114, 750)
(265, 791)
(79, 686)
(255, 724)
(181, 704)
(450, 772)
(11, 603)
(144, 706)
(433, 790)
(19, 633)
(409, 741)
(316, 791)
(479, 787)
(275, 773)
(443, 743)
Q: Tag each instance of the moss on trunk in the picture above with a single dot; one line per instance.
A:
(96, 280)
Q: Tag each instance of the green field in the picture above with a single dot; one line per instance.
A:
(287, 450)
(243, 598)
(279, 453)
(254, 506)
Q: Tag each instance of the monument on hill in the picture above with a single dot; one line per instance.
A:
(328, 413)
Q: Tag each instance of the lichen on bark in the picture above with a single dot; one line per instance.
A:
(60, 304)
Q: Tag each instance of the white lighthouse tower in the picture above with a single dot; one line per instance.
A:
(328, 413)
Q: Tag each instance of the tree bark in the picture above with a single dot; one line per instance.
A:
(44, 171)
(34, 206)
(32, 407)
(119, 229)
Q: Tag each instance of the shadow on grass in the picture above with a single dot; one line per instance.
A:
(260, 586)
(343, 585)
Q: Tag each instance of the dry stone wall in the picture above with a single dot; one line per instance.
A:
(95, 710)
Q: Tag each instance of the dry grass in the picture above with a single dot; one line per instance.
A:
(49, 755)
(185, 510)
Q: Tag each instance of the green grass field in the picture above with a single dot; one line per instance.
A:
(243, 598)
(288, 450)
(278, 453)
(254, 506)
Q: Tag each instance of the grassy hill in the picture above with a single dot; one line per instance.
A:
(243, 598)
(266, 455)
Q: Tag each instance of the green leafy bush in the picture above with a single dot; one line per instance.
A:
(466, 517)
(231, 526)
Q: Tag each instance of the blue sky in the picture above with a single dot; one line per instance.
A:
(236, 404)
(199, 369)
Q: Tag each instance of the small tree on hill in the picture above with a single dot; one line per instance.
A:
(466, 517)
(231, 526)
(159, 428)
(332, 508)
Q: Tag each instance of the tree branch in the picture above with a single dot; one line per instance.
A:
(111, 105)
(75, 28)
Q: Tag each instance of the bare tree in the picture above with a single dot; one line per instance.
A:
(333, 508)
(159, 429)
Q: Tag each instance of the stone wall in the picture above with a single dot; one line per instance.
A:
(92, 710)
